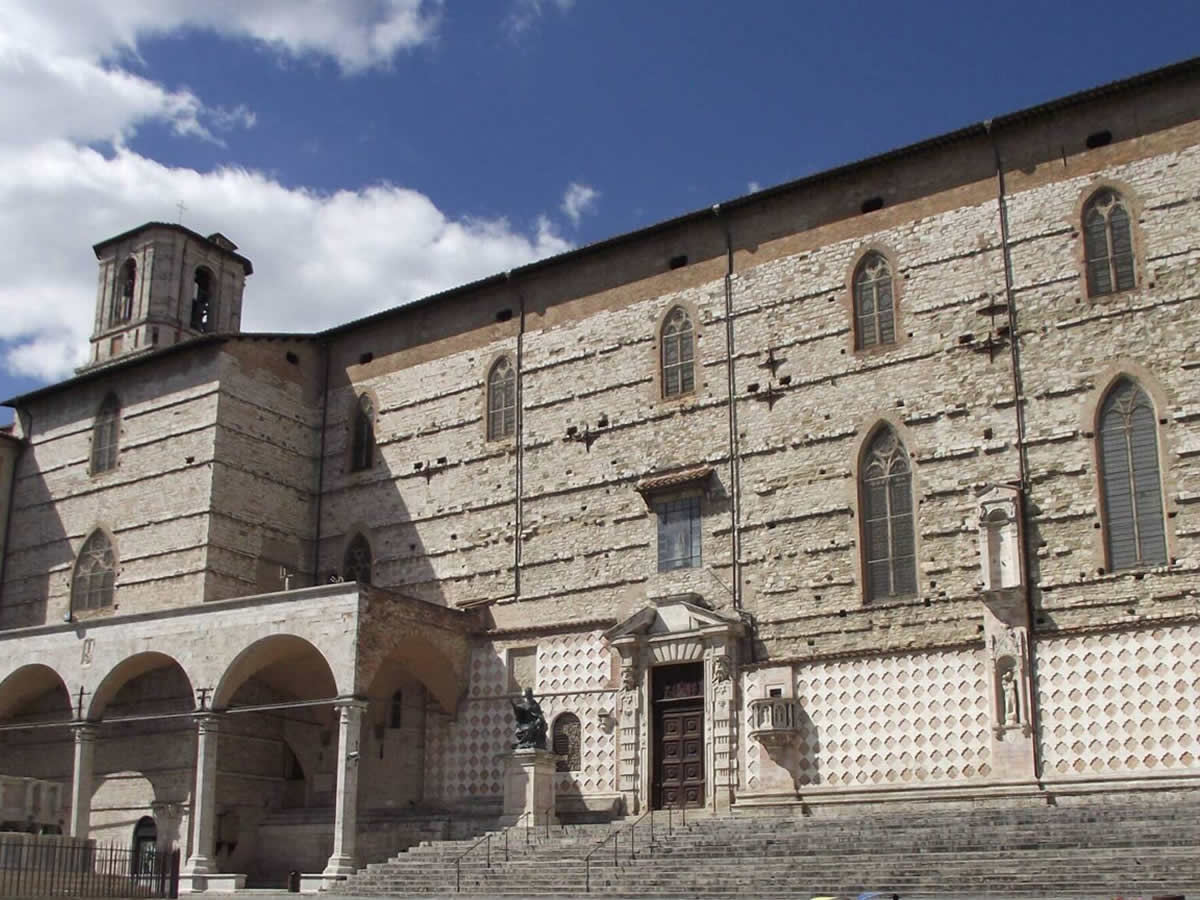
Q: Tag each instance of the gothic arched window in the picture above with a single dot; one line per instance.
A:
(1134, 530)
(888, 540)
(501, 400)
(678, 354)
(122, 308)
(95, 574)
(874, 307)
(202, 300)
(106, 435)
(357, 563)
(1107, 244)
(566, 743)
(362, 451)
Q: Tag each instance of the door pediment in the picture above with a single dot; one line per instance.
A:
(673, 617)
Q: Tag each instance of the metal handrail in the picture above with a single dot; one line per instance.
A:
(633, 833)
(615, 837)
(458, 860)
(487, 838)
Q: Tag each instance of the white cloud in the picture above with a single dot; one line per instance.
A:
(577, 200)
(368, 249)
(319, 258)
(356, 33)
(525, 12)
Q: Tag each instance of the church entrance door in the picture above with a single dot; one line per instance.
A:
(679, 735)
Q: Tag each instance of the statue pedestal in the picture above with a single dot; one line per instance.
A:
(529, 786)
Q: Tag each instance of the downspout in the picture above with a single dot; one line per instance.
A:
(321, 466)
(12, 487)
(735, 516)
(1022, 450)
(519, 429)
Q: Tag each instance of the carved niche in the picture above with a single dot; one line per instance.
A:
(1000, 539)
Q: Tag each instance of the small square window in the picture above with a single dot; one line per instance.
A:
(678, 533)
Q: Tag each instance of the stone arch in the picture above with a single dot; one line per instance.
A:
(126, 671)
(427, 664)
(27, 684)
(272, 655)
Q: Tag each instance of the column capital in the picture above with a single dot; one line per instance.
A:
(207, 721)
(84, 731)
(359, 703)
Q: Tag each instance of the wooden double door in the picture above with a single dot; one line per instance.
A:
(679, 736)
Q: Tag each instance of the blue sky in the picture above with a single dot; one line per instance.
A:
(367, 152)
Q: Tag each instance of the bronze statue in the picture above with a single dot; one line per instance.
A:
(531, 723)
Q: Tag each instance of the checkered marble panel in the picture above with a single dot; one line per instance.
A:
(895, 720)
(1124, 702)
(465, 757)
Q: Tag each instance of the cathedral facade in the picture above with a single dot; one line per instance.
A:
(875, 487)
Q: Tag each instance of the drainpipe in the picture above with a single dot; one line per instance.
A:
(735, 516)
(1022, 450)
(12, 489)
(519, 434)
(321, 465)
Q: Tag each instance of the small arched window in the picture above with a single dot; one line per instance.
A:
(122, 308)
(106, 435)
(1108, 244)
(874, 306)
(1135, 532)
(888, 540)
(678, 354)
(357, 564)
(362, 451)
(202, 300)
(396, 711)
(501, 400)
(566, 743)
(95, 574)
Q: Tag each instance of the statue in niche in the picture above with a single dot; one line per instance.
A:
(530, 728)
(721, 668)
(1012, 702)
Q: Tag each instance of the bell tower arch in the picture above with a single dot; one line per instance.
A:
(160, 284)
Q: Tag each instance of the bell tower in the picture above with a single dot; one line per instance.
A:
(160, 284)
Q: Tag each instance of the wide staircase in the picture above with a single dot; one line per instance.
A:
(1137, 846)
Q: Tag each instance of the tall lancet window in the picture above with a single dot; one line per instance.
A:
(874, 309)
(1108, 244)
(501, 400)
(1135, 533)
(106, 432)
(889, 541)
(678, 354)
(357, 564)
(362, 455)
(95, 574)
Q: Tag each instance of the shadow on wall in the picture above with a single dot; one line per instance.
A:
(31, 695)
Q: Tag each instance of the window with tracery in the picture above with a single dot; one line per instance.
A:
(678, 354)
(1108, 244)
(874, 307)
(501, 400)
(356, 566)
(362, 451)
(1134, 527)
(95, 574)
(567, 733)
(122, 308)
(201, 300)
(889, 544)
(106, 435)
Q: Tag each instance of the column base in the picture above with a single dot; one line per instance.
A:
(211, 883)
(338, 869)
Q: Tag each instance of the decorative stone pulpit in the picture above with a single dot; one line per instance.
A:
(529, 786)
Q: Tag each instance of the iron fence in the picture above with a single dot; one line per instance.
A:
(46, 867)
